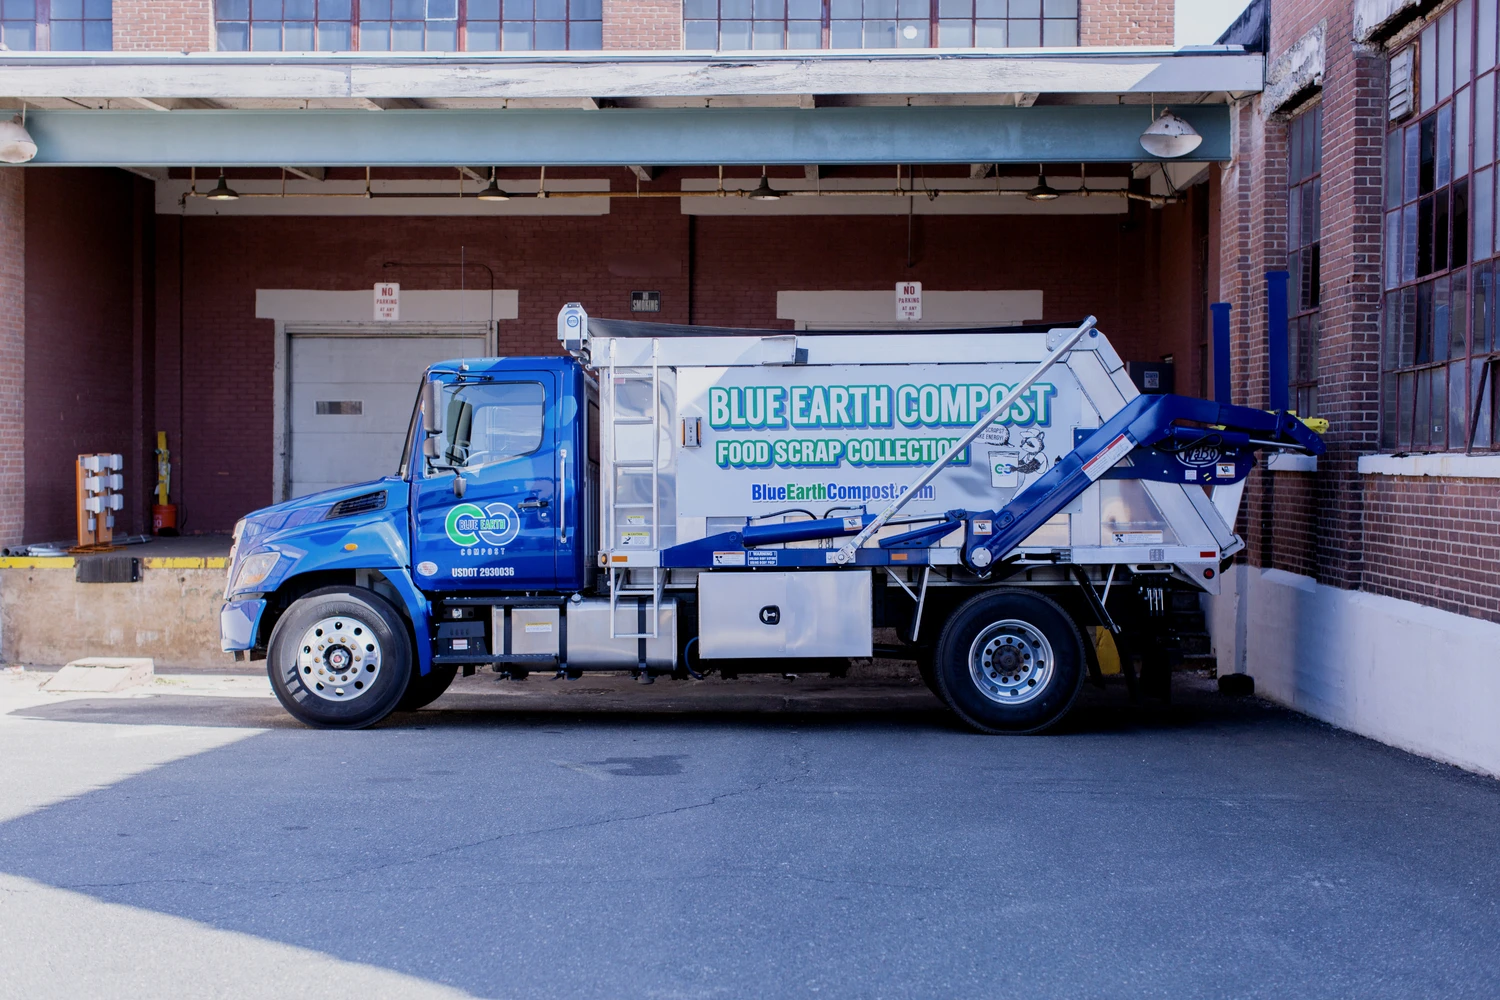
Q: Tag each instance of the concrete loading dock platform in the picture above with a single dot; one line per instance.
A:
(171, 614)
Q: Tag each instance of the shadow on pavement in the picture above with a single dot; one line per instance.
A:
(1211, 848)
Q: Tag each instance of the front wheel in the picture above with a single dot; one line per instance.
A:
(339, 658)
(424, 689)
(1010, 661)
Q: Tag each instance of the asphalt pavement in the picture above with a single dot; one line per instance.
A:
(762, 838)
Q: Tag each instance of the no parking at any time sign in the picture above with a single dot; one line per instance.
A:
(908, 301)
(387, 301)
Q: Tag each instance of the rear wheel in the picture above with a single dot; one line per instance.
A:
(339, 658)
(927, 667)
(1010, 661)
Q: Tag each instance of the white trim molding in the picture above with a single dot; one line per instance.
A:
(357, 308)
(390, 197)
(310, 310)
(966, 196)
(1287, 462)
(876, 309)
(1454, 466)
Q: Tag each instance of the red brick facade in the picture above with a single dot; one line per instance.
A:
(1430, 540)
(80, 346)
(12, 352)
(1126, 22)
(643, 24)
(164, 25)
(736, 265)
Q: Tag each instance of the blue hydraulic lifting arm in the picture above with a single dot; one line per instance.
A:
(1148, 427)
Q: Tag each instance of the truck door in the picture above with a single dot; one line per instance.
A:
(500, 435)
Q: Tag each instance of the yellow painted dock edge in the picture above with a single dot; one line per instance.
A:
(149, 562)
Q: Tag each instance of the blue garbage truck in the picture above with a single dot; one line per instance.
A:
(674, 500)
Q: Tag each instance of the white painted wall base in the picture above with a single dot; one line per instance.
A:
(1417, 678)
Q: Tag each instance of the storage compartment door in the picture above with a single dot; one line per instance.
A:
(764, 615)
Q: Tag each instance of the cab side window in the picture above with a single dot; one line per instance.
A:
(490, 423)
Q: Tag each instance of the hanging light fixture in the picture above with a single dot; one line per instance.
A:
(493, 192)
(1043, 191)
(764, 192)
(222, 191)
(16, 144)
(1170, 136)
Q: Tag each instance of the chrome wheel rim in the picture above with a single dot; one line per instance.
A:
(1011, 662)
(339, 658)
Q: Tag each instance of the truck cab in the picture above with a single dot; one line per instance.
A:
(673, 500)
(491, 495)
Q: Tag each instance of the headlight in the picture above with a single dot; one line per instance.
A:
(254, 570)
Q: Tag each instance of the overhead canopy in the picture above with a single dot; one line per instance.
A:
(618, 108)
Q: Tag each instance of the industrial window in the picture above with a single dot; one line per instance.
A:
(408, 25)
(535, 24)
(283, 25)
(1439, 346)
(62, 26)
(1303, 226)
(878, 24)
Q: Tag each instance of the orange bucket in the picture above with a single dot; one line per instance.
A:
(164, 519)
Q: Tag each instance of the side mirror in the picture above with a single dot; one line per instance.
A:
(432, 418)
(432, 407)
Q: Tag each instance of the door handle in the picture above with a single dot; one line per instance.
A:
(532, 504)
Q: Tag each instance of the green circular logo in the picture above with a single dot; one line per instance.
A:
(462, 524)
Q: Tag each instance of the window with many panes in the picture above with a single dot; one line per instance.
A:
(62, 25)
(1438, 355)
(1303, 227)
(878, 24)
(408, 25)
(284, 25)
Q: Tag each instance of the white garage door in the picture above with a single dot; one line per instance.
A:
(351, 400)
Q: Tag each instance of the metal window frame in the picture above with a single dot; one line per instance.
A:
(1308, 181)
(932, 19)
(1394, 378)
(461, 21)
(41, 21)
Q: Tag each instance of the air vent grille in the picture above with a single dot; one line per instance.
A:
(362, 504)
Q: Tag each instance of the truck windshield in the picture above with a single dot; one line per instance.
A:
(487, 423)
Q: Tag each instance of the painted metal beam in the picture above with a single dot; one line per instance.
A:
(613, 137)
(379, 76)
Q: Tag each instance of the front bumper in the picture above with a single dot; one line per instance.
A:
(239, 623)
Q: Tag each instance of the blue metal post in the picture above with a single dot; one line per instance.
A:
(1221, 351)
(1276, 335)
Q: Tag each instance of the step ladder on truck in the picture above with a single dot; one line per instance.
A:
(670, 500)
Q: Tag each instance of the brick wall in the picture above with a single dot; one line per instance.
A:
(80, 393)
(738, 264)
(1436, 541)
(164, 25)
(1126, 22)
(1422, 539)
(12, 351)
(643, 24)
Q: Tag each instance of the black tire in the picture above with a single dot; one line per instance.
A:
(1017, 628)
(423, 691)
(928, 669)
(307, 677)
